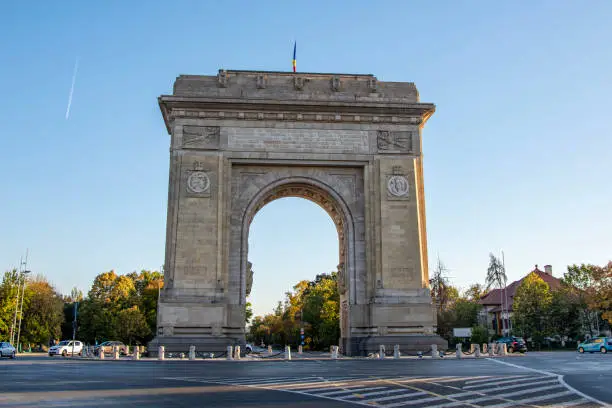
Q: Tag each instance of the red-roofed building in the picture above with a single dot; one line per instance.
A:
(498, 300)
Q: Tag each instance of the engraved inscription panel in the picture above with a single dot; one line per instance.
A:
(298, 140)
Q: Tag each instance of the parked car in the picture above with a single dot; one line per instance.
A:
(7, 349)
(601, 344)
(248, 348)
(513, 344)
(108, 347)
(67, 347)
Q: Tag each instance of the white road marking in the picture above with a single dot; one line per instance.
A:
(495, 387)
(559, 376)
(370, 394)
(413, 402)
(392, 397)
(529, 391)
(546, 397)
(326, 394)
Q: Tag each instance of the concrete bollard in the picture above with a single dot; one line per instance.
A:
(161, 353)
(136, 353)
(477, 350)
(459, 352)
(396, 351)
(381, 352)
(269, 349)
(491, 349)
(288, 352)
(484, 348)
(472, 348)
(115, 353)
(127, 350)
(237, 353)
(300, 350)
(503, 350)
(230, 351)
(101, 353)
(334, 352)
(434, 351)
(192, 352)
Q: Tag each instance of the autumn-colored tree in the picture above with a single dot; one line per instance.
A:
(531, 307)
(600, 294)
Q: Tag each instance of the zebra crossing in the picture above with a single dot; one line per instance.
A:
(420, 392)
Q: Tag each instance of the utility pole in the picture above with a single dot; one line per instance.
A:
(506, 294)
(14, 325)
(74, 326)
(23, 272)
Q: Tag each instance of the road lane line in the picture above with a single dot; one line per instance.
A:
(370, 394)
(495, 387)
(339, 392)
(514, 378)
(545, 397)
(413, 402)
(529, 391)
(559, 376)
(393, 397)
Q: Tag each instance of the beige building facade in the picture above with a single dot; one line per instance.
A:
(350, 144)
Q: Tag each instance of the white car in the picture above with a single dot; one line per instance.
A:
(67, 348)
(6, 349)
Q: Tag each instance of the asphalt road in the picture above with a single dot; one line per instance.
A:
(535, 380)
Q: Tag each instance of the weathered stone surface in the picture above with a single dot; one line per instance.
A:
(349, 143)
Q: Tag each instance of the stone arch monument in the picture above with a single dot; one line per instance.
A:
(350, 144)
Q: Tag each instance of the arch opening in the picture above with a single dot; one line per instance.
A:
(325, 197)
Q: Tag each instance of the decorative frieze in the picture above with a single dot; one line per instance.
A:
(293, 116)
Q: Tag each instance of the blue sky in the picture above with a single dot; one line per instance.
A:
(517, 156)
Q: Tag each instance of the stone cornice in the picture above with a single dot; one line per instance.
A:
(357, 111)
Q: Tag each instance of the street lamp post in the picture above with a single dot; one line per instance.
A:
(21, 307)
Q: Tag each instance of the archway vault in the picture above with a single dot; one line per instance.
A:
(321, 189)
(311, 191)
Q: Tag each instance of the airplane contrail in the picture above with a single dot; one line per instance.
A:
(76, 67)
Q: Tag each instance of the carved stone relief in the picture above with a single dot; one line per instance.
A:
(394, 142)
(222, 78)
(335, 83)
(198, 181)
(203, 137)
(261, 81)
(342, 279)
(299, 82)
(397, 185)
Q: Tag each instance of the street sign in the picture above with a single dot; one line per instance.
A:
(462, 332)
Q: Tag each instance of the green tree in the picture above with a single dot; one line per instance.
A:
(8, 303)
(531, 308)
(131, 326)
(248, 312)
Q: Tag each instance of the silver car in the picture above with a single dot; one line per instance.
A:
(7, 350)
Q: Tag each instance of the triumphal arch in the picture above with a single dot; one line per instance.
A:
(349, 143)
